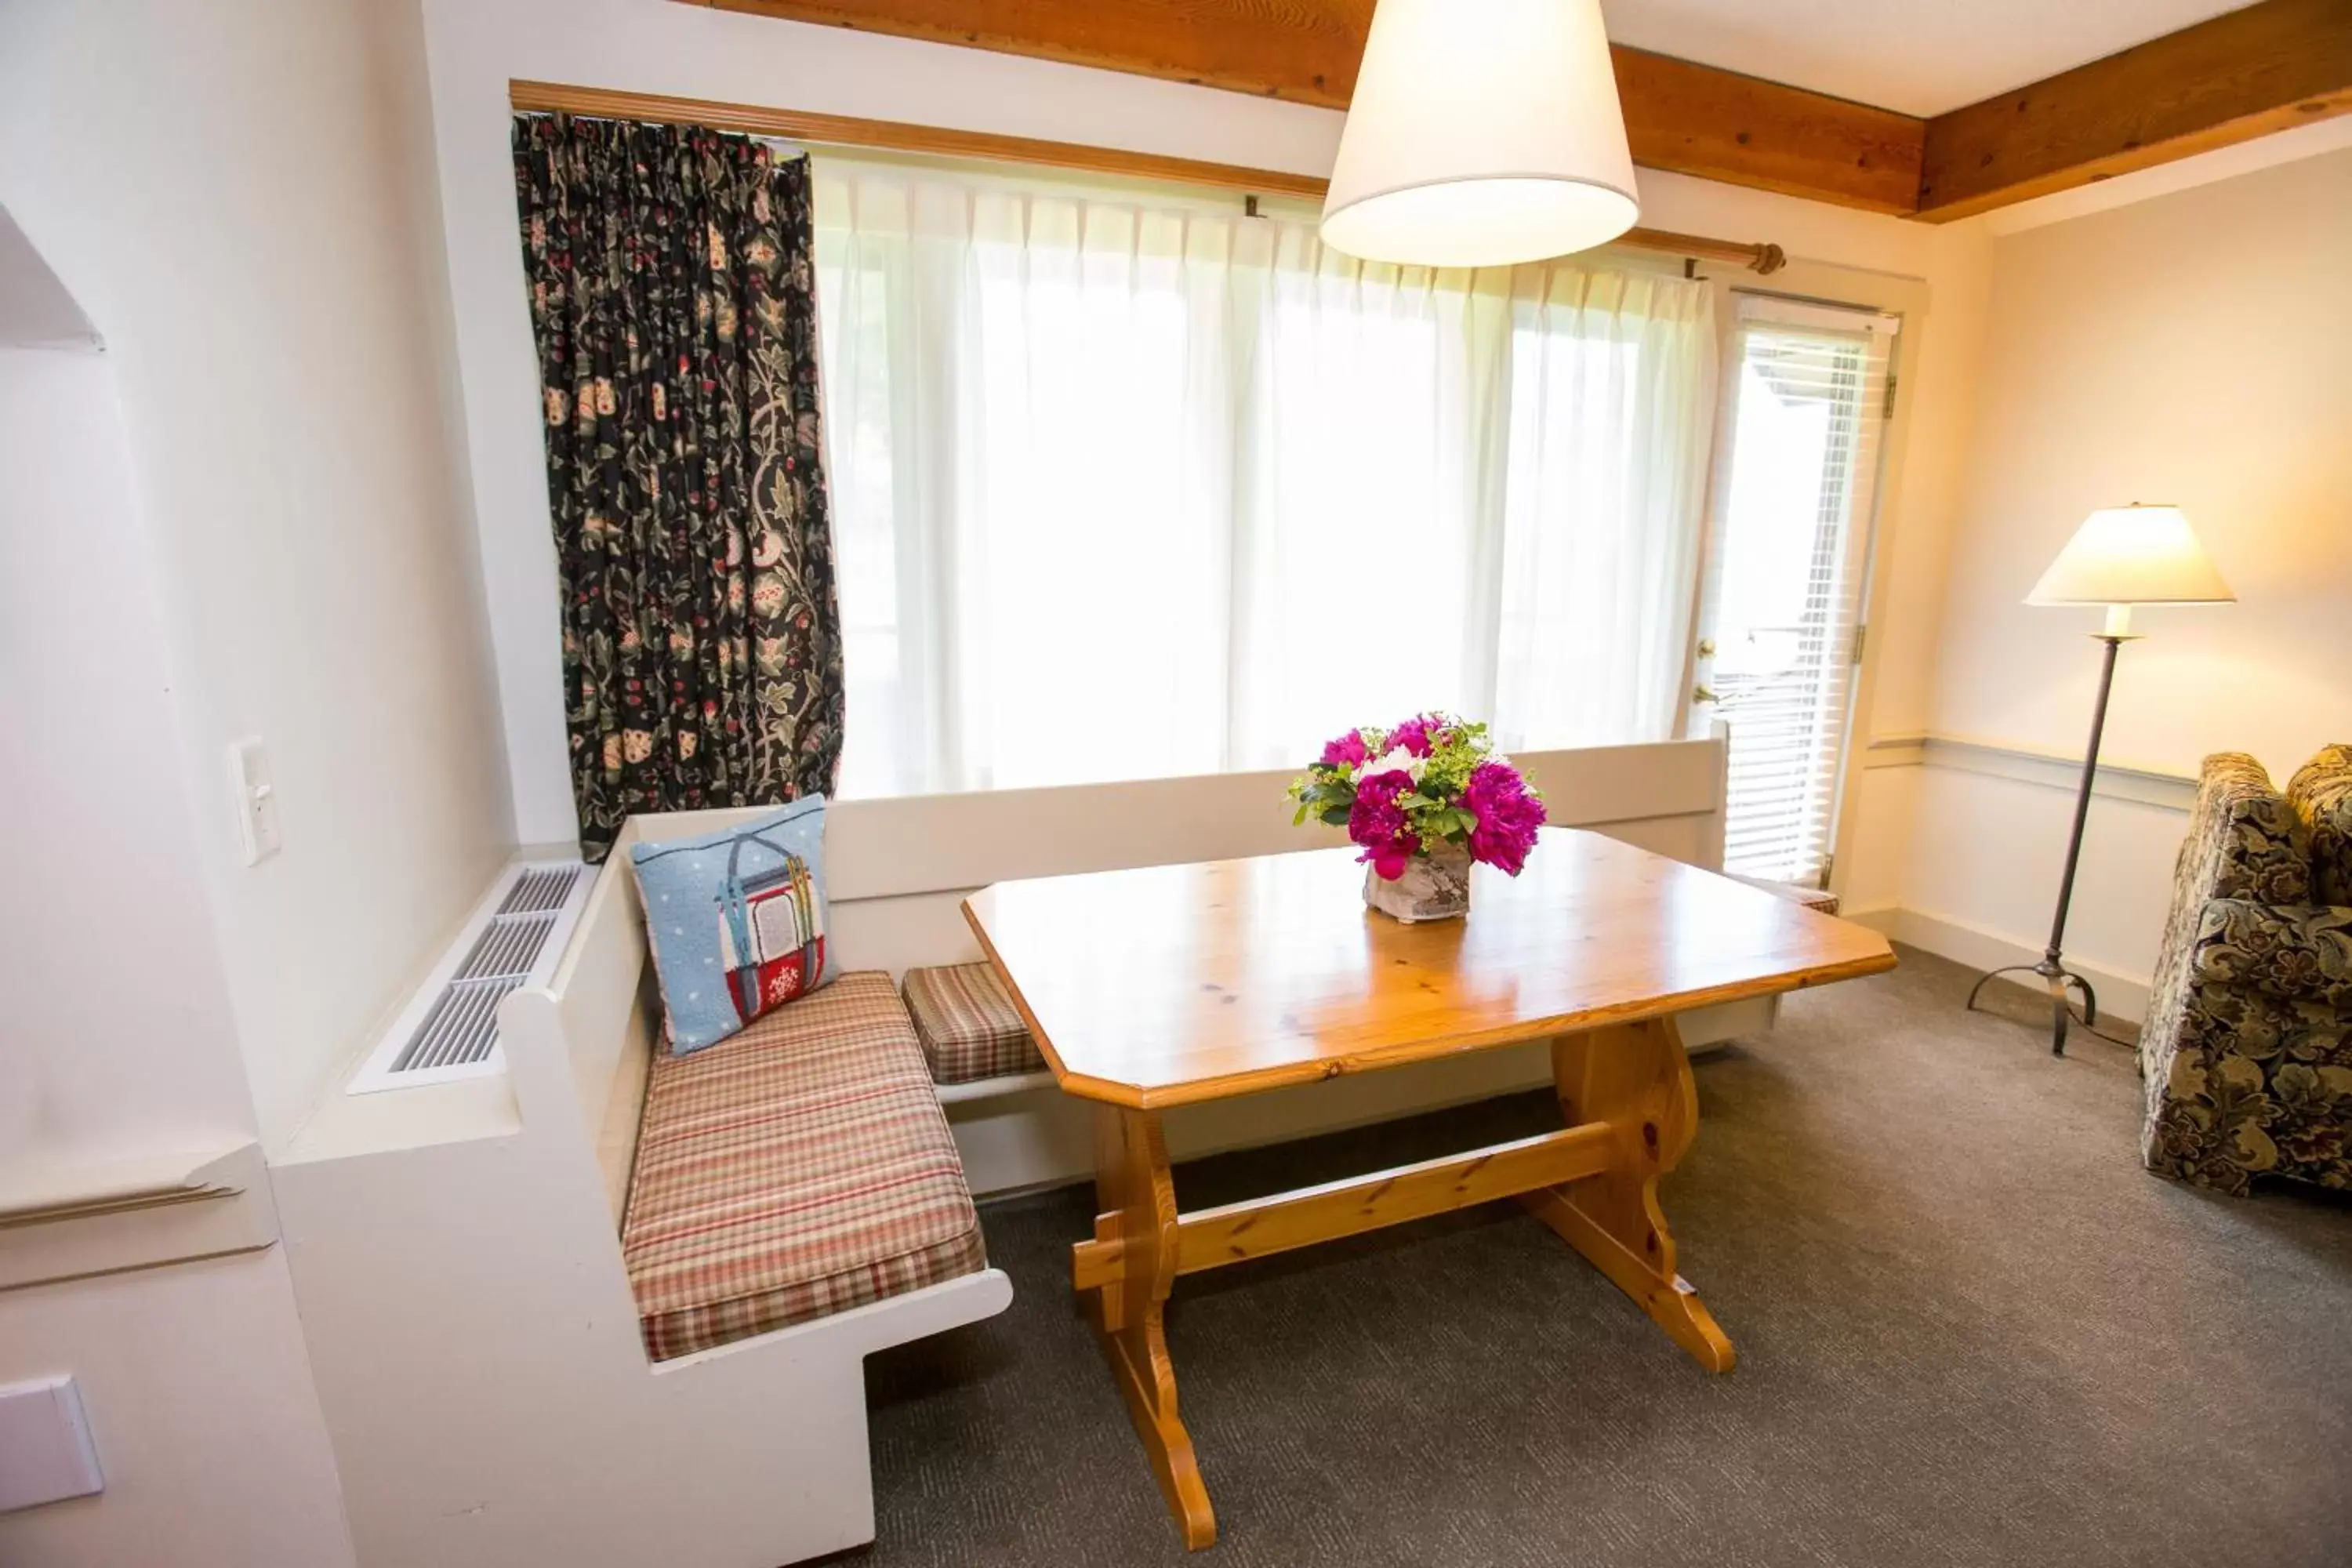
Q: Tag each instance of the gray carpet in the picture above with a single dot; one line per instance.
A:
(1971, 1330)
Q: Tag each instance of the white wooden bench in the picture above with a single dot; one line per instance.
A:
(765, 1435)
(456, 1249)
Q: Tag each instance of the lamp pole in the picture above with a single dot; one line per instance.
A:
(2053, 968)
(2121, 556)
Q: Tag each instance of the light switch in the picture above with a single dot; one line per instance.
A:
(257, 801)
(45, 1454)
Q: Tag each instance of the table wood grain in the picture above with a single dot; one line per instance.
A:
(1173, 985)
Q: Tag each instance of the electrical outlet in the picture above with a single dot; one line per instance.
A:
(257, 833)
(45, 1454)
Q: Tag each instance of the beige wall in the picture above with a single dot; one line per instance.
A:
(2193, 347)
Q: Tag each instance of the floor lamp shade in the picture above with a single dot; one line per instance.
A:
(2132, 555)
(1483, 133)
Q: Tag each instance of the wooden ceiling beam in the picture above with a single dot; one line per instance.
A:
(1305, 51)
(2240, 75)
(1744, 130)
(1689, 119)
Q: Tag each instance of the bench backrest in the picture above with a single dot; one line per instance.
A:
(898, 869)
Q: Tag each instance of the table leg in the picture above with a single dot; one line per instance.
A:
(1137, 1199)
(1635, 1077)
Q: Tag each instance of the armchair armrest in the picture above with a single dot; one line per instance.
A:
(2252, 845)
(2295, 951)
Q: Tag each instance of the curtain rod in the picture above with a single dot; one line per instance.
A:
(899, 136)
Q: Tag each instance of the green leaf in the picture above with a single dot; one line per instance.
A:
(1337, 817)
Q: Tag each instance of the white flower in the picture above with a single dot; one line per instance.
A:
(1396, 760)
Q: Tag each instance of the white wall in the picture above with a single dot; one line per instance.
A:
(237, 194)
(36, 311)
(202, 1409)
(121, 1037)
(203, 1414)
(657, 45)
(89, 760)
(2188, 348)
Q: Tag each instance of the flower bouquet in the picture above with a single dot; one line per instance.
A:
(1422, 801)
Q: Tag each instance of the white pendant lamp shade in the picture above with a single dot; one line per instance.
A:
(1483, 133)
(2132, 555)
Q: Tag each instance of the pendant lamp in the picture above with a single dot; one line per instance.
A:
(1483, 133)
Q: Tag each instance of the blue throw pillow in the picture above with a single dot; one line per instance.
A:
(737, 921)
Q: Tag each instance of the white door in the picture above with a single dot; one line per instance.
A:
(1779, 627)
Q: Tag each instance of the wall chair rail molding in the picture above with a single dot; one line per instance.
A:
(900, 136)
(2114, 781)
(79, 1219)
(2229, 79)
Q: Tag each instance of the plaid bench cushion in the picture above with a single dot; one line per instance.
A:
(799, 1169)
(970, 1028)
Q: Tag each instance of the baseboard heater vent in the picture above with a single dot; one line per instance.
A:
(449, 1030)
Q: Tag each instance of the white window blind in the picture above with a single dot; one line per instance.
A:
(1805, 411)
(1128, 484)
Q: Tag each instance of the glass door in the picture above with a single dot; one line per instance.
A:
(1779, 623)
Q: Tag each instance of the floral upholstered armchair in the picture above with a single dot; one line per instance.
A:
(2248, 1049)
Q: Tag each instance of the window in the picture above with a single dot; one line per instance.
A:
(1129, 485)
(1786, 559)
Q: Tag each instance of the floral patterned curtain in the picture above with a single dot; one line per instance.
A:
(672, 295)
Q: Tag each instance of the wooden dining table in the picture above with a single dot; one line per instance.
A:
(1171, 985)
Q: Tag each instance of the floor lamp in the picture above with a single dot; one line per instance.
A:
(2120, 557)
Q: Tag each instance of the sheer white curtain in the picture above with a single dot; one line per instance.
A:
(1132, 486)
(1611, 412)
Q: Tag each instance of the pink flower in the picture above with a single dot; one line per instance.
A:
(1348, 751)
(1508, 817)
(1378, 824)
(1413, 734)
(1381, 790)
